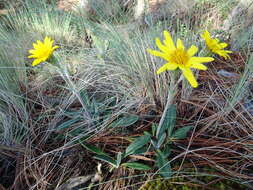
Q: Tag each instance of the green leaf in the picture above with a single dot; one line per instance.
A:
(147, 133)
(137, 144)
(136, 166)
(67, 124)
(141, 150)
(107, 159)
(94, 106)
(85, 97)
(167, 150)
(163, 164)
(125, 121)
(168, 123)
(154, 127)
(73, 114)
(93, 149)
(119, 158)
(95, 111)
(161, 140)
(154, 143)
(181, 133)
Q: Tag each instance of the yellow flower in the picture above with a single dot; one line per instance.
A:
(178, 57)
(42, 51)
(214, 45)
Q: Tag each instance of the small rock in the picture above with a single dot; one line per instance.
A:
(74, 182)
(226, 74)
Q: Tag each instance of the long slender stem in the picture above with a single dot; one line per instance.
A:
(170, 97)
(70, 83)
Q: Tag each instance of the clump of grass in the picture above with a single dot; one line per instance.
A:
(111, 11)
(41, 18)
(211, 13)
(14, 115)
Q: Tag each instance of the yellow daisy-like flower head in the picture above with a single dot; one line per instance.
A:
(42, 50)
(178, 57)
(214, 45)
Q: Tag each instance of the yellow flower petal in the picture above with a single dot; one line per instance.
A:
(31, 56)
(194, 60)
(162, 69)
(206, 35)
(32, 51)
(199, 66)
(168, 40)
(192, 51)
(217, 40)
(223, 45)
(224, 53)
(49, 42)
(46, 39)
(190, 77)
(228, 51)
(40, 43)
(36, 62)
(158, 54)
(180, 44)
(55, 47)
(225, 56)
(167, 66)
(35, 46)
(162, 47)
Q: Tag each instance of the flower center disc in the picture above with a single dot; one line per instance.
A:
(45, 52)
(179, 57)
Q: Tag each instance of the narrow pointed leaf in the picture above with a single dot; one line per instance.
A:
(107, 159)
(136, 166)
(161, 140)
(167, 150)
(154, 143)
(67, 124)
(163, 165)
(137, 144)
(141, 150)
(154, 127)
(125, 121)
(181, 133)
(119, 158)
(93, 149)
(85, 97)
(168, 123)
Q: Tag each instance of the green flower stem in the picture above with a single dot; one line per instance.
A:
(172, 91)
(77, 94)
(65, 74)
